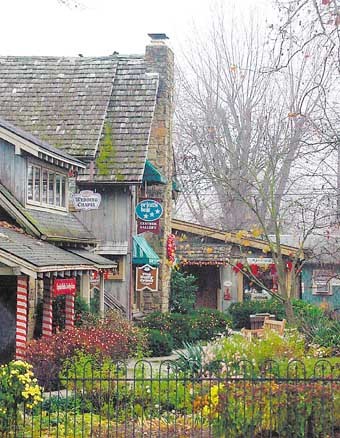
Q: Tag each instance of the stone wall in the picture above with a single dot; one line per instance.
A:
(159, 58)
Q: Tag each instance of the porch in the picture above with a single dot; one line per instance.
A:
(35, 272)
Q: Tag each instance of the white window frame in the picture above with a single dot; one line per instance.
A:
(41, 202)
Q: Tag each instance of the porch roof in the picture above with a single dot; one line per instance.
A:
(25, 253)
(98, 260)
(183, 227)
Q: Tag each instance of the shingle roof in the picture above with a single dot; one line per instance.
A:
(42, 145)
(36, 252)
(54, 226)
(71, 102)
(191, 253)
(61, 100)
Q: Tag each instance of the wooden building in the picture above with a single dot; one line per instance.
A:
(217, 258)
(320, 276)
(44, 248)
(113, 113)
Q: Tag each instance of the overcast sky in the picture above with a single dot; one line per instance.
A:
(100, 27)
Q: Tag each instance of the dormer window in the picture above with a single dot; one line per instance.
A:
(46, 187)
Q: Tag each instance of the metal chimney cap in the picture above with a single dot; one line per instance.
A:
(158, 36)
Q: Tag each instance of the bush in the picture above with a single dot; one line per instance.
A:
(112, 337)
(17, 385)
(182, 329)
(208, 323)
(304, 310)
(202, 324)
(158, 321)
(183, 292)
(240, 312)
(160, 343)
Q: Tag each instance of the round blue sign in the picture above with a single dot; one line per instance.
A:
(149, 210)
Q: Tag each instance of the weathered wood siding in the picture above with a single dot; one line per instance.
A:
(111, 222)
(332, 300)
(13, 170)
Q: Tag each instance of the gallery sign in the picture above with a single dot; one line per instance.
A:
(148, 212)
(86, 200)
(146, 278)
(64, 286)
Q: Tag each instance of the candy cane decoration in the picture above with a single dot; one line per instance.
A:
(69, 311)
(47, 310)
(21, 318)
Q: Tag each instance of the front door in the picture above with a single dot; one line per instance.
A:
(208, 279)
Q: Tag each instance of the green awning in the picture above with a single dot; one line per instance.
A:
(143, 254)
(152, 174)
(176, 185)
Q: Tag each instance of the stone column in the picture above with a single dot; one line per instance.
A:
(160, 59)
(21, 317)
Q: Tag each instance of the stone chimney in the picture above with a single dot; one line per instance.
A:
(159, 58)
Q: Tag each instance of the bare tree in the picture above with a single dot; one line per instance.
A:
(237, 113)
(250, 130)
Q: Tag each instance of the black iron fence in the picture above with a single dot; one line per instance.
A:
(91, 399)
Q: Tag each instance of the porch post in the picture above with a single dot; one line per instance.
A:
(47, 309)
(85, 287)
(21, 318)
(101, 295)
(69, 312)
(239, 287)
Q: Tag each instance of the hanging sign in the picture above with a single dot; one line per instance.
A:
(148, 212)
(86, 200)
(64, 286)
(148, 227)
(147, 278)
(259, 260)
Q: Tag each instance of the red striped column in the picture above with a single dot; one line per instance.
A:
(47, 309)
(69, 312)
(21, 317)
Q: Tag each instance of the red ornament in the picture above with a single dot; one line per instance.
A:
(238, 267)
(171, 248)
(254, 269)
(326, 2)
(227, 294)
(272, 268)
(289, 265)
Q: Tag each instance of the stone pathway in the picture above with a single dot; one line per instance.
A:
(152, 362)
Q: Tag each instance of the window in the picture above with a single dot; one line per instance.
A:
(45, 187)
(118, 273)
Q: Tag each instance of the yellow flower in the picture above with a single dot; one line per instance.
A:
(256, 232)
(266, 249)
(241, 234)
